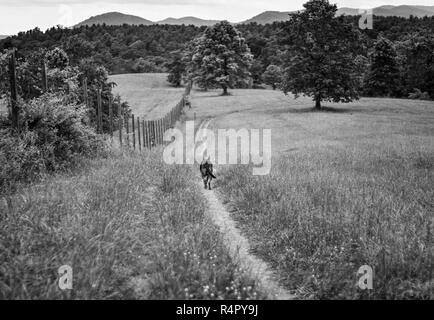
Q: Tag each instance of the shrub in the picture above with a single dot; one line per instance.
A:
(54, 137)
(419, 95)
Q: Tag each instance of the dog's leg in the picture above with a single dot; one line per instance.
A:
(205, 182)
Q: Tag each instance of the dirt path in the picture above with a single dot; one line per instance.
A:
(238, 245)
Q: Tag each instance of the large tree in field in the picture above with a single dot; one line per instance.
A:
(220, 58)
(321, 58)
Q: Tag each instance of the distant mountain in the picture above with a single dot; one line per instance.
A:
(348, 11)
(269, 17)
(3, 37)
(399, 11)
(188, 21)
(114, 19)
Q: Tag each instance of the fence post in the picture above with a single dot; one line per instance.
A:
(157, 141)
(121, 119)
(163, 130)
(44, 77)
(149, 134)
(153, 142)
(111, 116)
(99, 111)
(159, 132)
(14, 92)
(144, 134)
(120, 130)
(127, 123)
(133, 129)
(138, 134)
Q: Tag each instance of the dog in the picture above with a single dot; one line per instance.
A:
(207, 171)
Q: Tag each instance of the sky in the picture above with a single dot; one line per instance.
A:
(23, 15)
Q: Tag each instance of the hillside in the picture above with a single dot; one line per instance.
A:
(114, 19)
(399, 11)
(3, 37)
(188, 21)
(269, 17)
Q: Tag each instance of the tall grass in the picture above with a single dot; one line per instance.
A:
(129, 226)
(322, 214)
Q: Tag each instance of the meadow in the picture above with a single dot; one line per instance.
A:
(128, 225)
(351, 185)
(150, 95)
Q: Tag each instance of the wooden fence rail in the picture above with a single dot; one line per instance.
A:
(144, 133)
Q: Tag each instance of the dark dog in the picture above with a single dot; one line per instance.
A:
(207, 171)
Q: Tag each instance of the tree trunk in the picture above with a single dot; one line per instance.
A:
(225, 90)
(318, 103)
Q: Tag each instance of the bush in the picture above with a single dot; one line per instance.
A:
(419, 95)
(54, 136)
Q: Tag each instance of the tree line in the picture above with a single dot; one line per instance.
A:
(394, 59)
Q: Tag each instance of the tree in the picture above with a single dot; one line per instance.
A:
(220, 57)
(272, 76)
(416, 59)
(176, 68)
(383, 76)
(57, 58)
(321, 58)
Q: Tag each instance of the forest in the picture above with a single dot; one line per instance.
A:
(407, 46)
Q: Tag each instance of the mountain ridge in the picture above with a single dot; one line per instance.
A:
(117, 18)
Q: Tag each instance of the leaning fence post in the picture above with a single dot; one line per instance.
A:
(14, 92)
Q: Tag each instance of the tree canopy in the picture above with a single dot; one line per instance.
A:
(321, 57)
(220, 57)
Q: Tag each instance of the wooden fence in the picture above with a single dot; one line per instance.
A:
(138, 133)
(133, 131)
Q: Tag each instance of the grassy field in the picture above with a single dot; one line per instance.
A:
(149, 94)
(350, 186)
(129, 226)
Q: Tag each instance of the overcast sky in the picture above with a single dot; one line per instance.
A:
(22, 15)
